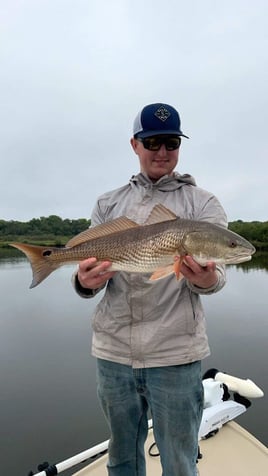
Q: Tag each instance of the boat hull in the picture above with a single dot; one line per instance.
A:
(232, 451)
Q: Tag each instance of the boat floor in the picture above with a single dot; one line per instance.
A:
(232, 451)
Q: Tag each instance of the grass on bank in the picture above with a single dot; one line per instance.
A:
(50, 240)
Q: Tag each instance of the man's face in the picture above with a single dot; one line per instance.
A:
(156, 163)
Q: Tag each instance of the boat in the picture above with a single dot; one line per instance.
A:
(225, 447)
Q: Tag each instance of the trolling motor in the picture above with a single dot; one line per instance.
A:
(219, 408)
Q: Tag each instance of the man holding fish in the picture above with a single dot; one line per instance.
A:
(149, 334)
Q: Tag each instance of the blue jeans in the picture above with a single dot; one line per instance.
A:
(174, 395)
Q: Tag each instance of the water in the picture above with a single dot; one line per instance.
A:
(49, 410)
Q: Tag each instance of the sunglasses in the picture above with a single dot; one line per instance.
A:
(155, 142)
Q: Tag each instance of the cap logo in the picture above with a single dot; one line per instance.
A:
(162, 113)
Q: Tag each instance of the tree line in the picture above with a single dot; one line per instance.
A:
(54, 227)
(45, 228)
(254, 231)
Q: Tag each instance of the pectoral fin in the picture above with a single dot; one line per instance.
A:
(161, 273)
(177, 267)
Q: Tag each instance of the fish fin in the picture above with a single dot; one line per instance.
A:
(160, 213)
(38, 257)
(177, 268)
(161, 273)
(113, 226)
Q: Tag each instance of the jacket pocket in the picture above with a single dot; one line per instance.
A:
(181, 316)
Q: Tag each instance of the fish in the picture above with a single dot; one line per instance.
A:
(158, 246)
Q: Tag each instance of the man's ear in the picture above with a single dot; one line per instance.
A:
(134, 144)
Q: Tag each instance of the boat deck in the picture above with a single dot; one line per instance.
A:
(232, 451)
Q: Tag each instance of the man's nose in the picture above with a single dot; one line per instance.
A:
(162, 151)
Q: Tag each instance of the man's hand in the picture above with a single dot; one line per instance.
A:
(91, 275)
(201, 276)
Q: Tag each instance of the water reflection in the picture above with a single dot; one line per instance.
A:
(45, 359)
(10, 255)
(258, 261)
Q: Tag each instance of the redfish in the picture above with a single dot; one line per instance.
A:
(158, 246)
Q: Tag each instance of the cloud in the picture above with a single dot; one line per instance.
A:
(75, 74)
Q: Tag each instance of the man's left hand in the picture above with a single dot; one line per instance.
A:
(201, 276)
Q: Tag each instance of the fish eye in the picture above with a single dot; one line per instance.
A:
(233, 244)
(47, 253)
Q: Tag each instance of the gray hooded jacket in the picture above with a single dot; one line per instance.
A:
(151, 324)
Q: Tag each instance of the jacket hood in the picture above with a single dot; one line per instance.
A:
(165, 183)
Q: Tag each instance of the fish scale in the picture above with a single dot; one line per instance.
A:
(143, 251)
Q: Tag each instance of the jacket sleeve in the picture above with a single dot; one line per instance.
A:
(84, 292)
(220, 269)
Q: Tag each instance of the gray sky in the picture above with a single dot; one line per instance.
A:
(74, 74)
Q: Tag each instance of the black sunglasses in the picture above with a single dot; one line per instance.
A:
(155, 142)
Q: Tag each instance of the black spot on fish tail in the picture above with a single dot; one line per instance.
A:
(47, 253)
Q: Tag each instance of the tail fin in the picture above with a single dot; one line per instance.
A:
(39, 259)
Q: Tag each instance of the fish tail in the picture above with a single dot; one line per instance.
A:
(39, 259)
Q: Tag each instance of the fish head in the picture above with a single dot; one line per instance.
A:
(213, 243)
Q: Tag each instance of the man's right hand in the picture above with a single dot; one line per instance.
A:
(93, 276)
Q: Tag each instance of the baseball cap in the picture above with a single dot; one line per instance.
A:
(156, 119)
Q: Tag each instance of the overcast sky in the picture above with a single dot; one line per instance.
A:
(74, 74)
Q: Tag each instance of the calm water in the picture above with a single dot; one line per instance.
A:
(49, 410)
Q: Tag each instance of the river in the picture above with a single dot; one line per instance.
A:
(49, 410)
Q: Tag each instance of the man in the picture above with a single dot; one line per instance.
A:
(149, 337)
